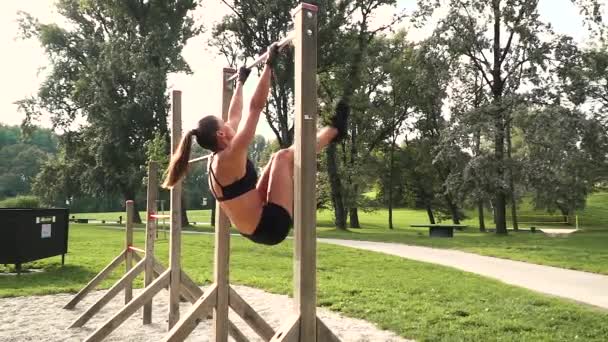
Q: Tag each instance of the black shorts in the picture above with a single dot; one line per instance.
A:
(273, 227)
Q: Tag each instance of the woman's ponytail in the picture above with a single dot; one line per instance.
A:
(179, 162)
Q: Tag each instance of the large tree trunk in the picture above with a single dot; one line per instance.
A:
(511, 182)
(213, 215)
(353, 214)
(429, 212)
(185, 221)
(499, 123)
(482, 221)
(129, 195)
(390, 184)
(353, 210)
(453, 209)
(335, 187)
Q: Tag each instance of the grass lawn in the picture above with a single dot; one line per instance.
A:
(585, 250)
(416, 300)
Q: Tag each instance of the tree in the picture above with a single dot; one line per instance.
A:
(560, 152)
(108, 70)
(21, 158)
(473, 30)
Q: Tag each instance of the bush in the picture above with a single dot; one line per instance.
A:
(21, 202)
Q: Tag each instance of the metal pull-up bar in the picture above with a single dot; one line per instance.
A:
(195, 160)
(281, 43)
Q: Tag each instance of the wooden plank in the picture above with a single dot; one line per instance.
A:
(176, 216)
(107, 297)
(151, 225)
(128, 310)
(324, 334)
(236, 334)
(128, 244)
(289, 331)
(250, 316)
(221, 267)
(184, 327)
(95, 281)
(305, 171)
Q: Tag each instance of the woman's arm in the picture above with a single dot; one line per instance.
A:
(246, 130)
(236, 103)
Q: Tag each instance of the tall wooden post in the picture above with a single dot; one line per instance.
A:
(222, 238)
(176, 219)
(305, 163)
(151, 225)
(129, 243)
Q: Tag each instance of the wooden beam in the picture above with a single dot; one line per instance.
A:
(305, 171)
(324, 334)
(107, 297)
(176, 215)
(221, 267)
(128, 310)
(95, 281)
(236, 334)
(152, 196)
(290, 331)
(128, 244)
(184, 327)
(250, 316)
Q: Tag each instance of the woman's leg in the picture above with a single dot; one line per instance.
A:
(262, 185)
(277, 179)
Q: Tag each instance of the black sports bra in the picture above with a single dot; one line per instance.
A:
(239, 187)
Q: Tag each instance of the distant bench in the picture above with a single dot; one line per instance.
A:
(440, 230)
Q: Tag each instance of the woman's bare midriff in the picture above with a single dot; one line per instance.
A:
(244, 211)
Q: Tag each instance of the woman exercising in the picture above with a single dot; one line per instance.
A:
(262, 210)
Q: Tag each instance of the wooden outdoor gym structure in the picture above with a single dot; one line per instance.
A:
(304, 325)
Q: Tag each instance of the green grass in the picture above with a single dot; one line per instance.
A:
(585, 250)
(416, 300)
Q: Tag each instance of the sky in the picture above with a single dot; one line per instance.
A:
(22, 62)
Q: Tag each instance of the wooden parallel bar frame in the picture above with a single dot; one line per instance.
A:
(126, 256)
(151, 225)
(305, 326)
(174, 279)
(128, 248)
(175, 242)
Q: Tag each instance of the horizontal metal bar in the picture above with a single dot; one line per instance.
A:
(198, 159)
(131, 248)
(281, 43)
(160, 216)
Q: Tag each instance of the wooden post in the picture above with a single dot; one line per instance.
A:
(221, 267)
(151, 224)
(176, 217)
(128, 252)
(305, 163)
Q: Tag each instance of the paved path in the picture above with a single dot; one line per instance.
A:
(580, 286)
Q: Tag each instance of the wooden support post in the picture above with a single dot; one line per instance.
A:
(305, 170)
(151, 225)
(128, 252)
(185, 326)
(222, 239)
(126, 312)
(176, 215)
(250, 316)
(107, 297)
(95, 281)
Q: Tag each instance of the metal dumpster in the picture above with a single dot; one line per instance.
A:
(32, 234)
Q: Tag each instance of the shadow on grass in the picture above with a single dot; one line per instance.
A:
(49, 278)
